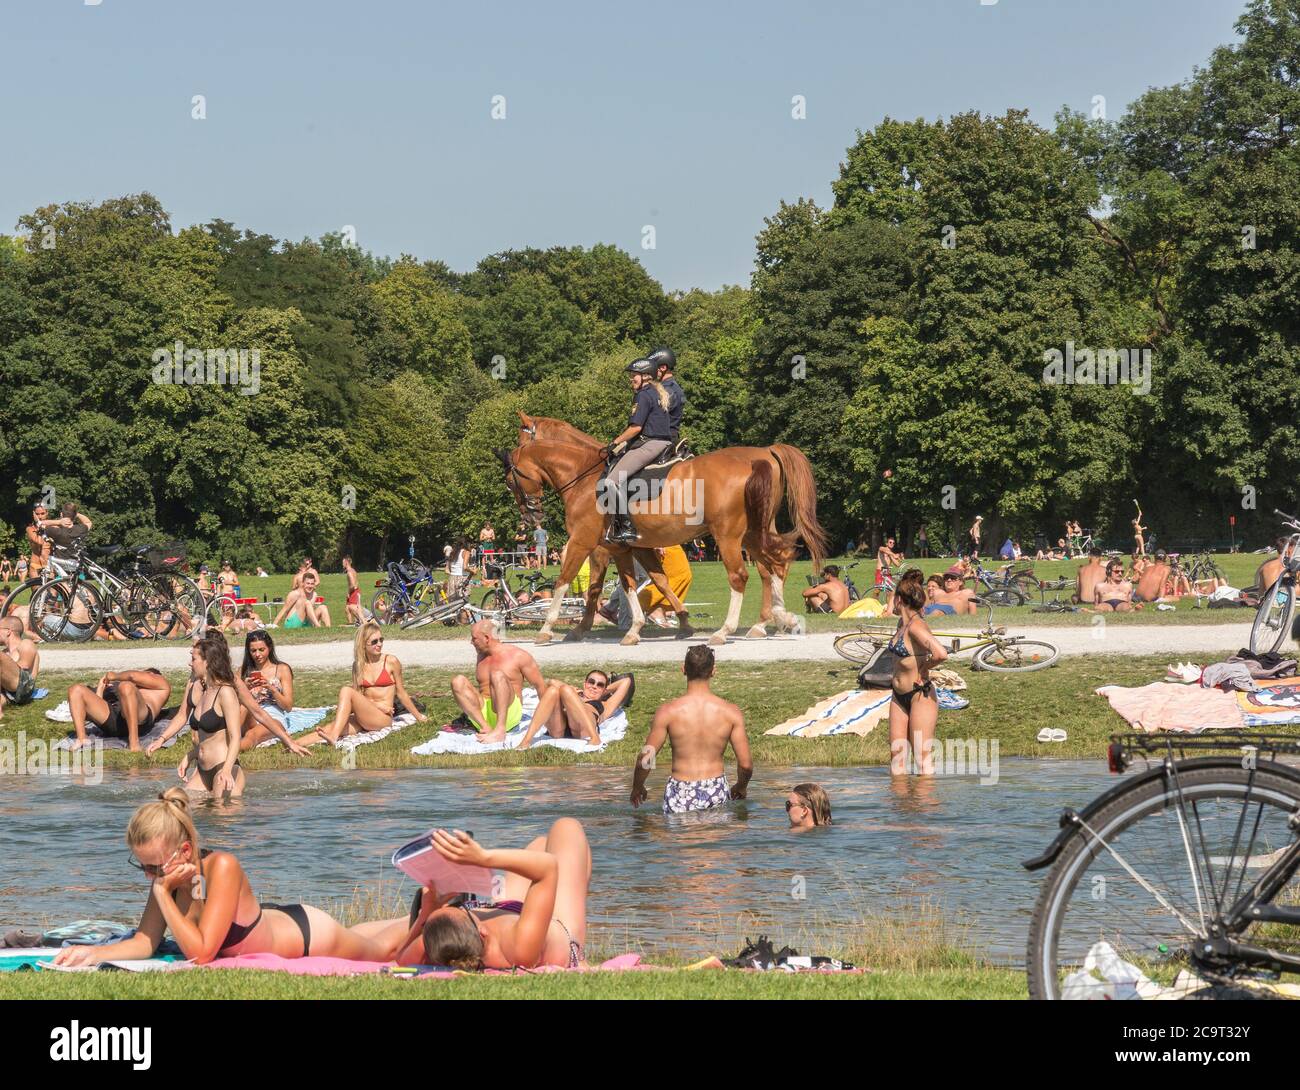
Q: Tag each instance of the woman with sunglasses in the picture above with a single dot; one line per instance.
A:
(567, 713)
(368, 703)
(1114, 594)
(808, 806)
(204, 899)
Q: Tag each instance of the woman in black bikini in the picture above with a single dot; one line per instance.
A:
(210, 708)
(914, 709)
(540, 920)
(368, 703)
(200, 897)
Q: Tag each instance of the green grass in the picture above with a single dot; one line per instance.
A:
(966, 983)
(1011, 709)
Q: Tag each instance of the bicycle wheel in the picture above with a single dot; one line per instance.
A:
(1026, 584)
(1002, 596)
(1154, 871)
(130, 608)
(1273, 617)
(18, 601)
(1017, 657)
(61, 611)
(384, 605)
(859, 647)
(177, 608)
(222, 608)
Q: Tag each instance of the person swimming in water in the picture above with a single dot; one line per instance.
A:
(202, 896)
(541, 918)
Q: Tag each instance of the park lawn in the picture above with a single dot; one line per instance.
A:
(1007, 708)
(962, 983)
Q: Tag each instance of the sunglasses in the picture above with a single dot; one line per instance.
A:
(376, 642)
(791, 805)
(152, 870)
(596, 681)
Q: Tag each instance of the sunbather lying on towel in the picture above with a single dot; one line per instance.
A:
(204, 899)
(567, 713)
(540, 920)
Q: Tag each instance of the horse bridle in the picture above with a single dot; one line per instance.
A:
(533, 504)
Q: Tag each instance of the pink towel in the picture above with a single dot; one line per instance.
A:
(1164, 706)
(343, 967)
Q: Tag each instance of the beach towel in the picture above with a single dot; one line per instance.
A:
(295, 721)
(1272, 703)
(95, 734)
(319, 966)
(364, 738)
(1165, 706)
(854, 711)
(614, 729)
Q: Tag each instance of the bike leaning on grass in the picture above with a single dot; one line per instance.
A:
(1276, 608)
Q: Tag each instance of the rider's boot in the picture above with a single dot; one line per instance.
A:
(621, 531)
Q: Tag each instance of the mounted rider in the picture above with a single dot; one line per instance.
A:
(647, 435)
(665, 362)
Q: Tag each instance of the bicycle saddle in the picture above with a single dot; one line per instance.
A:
(106, 550)
(1000, 630)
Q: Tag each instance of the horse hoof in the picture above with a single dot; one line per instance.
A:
(630, 640)
(718, 639)
(544, 637)
(574, 635)
(758, 632)
(685, 633)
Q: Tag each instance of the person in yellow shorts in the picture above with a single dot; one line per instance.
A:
(499, 678)
(678, 570)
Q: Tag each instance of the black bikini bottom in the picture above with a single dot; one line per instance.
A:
(299, 916)
(905, 699)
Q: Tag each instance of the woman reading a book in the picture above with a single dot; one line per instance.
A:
(541, 918)
(204, 899)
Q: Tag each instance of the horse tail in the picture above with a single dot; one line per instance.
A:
(801, 500)
(760, 504)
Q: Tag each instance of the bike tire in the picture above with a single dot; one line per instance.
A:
(384, 605)
(179, 609)
(857, 647)
(1273, 616)
(52, 608)
(1025, 656)
(1149, 799)
(20, 596)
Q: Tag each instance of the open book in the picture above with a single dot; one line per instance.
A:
(421, 861)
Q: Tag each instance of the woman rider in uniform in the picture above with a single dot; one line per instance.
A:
(649, 433)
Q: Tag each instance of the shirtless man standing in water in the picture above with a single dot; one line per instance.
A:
(493, 701)
(699, 725)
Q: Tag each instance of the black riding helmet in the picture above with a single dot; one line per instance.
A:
(642, 366)
(663, 357)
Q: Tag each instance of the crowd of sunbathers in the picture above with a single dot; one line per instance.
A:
(205, 899)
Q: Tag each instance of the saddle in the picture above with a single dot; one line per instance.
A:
(658, 469)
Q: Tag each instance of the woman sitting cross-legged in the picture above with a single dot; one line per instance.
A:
(269, 682)
(367, 704)
(204, 899)
(567, 713)
(540, 920)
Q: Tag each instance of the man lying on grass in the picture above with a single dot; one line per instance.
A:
(699, 725)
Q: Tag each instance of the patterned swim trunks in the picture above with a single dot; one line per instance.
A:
(685, 796)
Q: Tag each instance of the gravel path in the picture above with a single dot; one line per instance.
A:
(1113, 639)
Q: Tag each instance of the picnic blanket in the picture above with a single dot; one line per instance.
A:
(854, 711)
(1167, 706)
(614, 729)
(1272, 703)
(294, 721)
(94, 734)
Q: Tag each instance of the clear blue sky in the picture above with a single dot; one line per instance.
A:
(377, 114)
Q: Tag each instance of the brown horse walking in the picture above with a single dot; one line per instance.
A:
(532, 428)
(732, 494)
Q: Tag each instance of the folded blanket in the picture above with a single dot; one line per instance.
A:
(1164, 706)
(295, 721)
(614, 729)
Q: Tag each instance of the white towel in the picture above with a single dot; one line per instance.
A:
(351, 741)
(614, 729)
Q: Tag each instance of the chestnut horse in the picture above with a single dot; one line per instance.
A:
(546, 427)
(736, 493)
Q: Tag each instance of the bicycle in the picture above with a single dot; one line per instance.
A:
(1158, 867)
(408, 589)
(994, 649)
(1277, 606)
(146, 599)
(1006, 587)
(503, 603)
